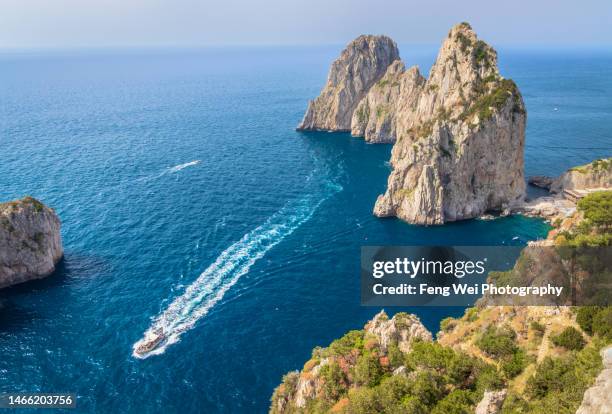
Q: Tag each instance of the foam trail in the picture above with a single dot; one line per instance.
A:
(170, 170)
(210, 287)
(182, 166)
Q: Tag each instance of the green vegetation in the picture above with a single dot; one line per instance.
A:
(594, 230)
(494, 100)
(481, 52)
(343, 346)
(464, 42)
(515, 364)
(538, 328)
(38, 206)
(570, 338)
(447, 324)
(498, 342)
(597, 209)
(600, 165)
(602, 324)
(558, 384)
(335, 381)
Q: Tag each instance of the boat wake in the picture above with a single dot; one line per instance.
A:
(210, 287)
(179, 167)
(170, 170)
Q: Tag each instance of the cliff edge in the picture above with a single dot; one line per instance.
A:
(30, 241)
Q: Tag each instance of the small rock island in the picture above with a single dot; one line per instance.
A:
(30, 241)
(459, 135)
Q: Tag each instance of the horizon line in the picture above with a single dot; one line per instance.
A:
(161, 46)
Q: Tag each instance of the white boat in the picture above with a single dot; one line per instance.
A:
(150, 342)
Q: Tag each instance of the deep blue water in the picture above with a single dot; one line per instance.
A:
(163, 163)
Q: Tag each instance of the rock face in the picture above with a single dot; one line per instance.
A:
(598, 398)
(30, 241)
(459, 134)
(491, 402)
(597, 174)
(403, 330)
(363, 63)
(459, 150)
(376, 116)
(344, 359)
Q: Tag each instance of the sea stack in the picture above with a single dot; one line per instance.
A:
(30, 241)
(459, 135)
(360, 65)
(459, 149)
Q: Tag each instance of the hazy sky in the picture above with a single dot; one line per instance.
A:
(77, 23)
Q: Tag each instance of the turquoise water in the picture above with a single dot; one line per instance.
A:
(189, 201)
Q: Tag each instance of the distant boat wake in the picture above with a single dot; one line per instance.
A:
(182, 166)
(210, 287)
(171, 170)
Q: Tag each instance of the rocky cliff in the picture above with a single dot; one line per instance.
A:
(363, 63)
(459, 149)
(494, 359)
(459, 135)
(30, 241)
(597, 174)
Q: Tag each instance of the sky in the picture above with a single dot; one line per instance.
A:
(125, 23)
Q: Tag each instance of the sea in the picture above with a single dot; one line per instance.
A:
(188, 201)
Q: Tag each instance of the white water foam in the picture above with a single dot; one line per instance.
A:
(183, 166)
(210, 287)
(170, 170)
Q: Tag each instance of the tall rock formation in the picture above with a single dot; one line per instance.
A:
(459, 149)
(30, 241)
(459, 134)
(364, 61)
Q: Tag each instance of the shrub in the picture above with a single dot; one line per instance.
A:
(447, 324)
(538, 327)
(597, 208)
(457, 402)
(428, 388)
(335, 381)
(498, 342)
(352, 340)
(488, 378)
(364, 401)
(471, 314)
(515, 364)
(584, 317)
(570, 339)
(565, 378)
(396, 357)
(602, 324)
(551, 375)
(367, 370)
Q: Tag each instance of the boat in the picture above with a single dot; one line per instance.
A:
(150, 342)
